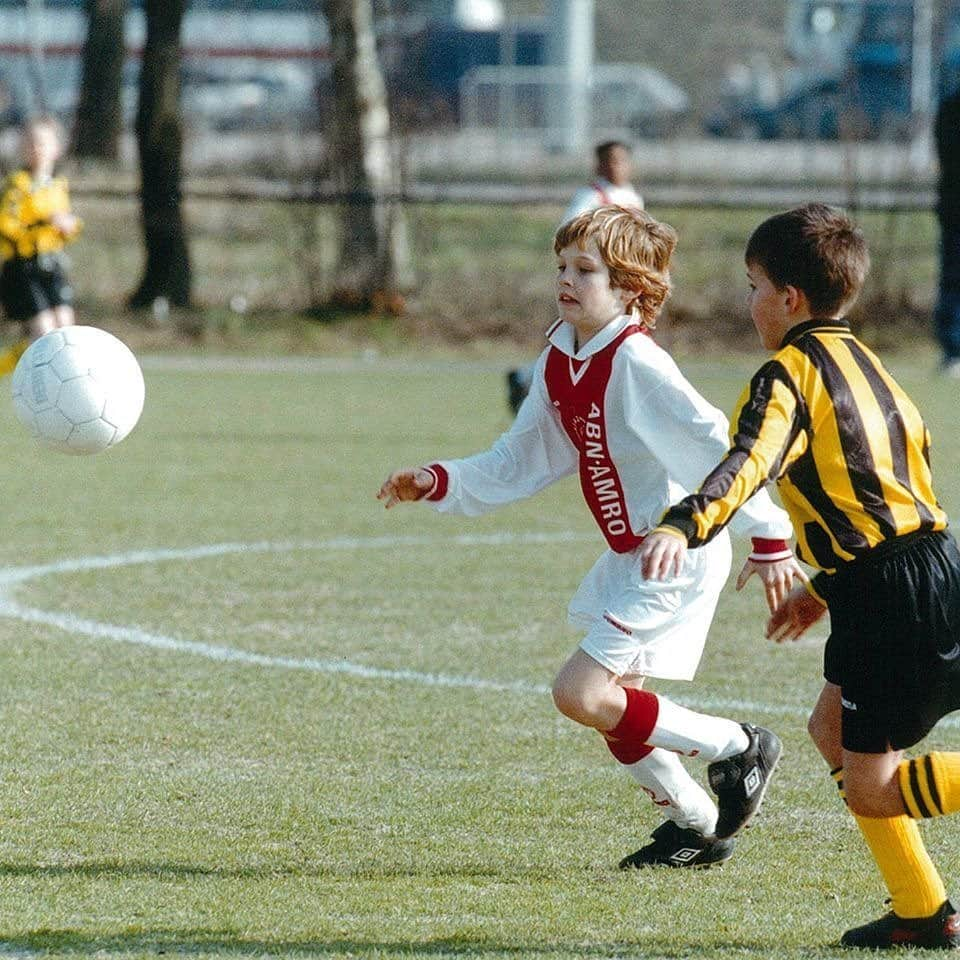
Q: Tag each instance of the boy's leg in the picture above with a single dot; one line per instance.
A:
(743, 756)
(63, 315)
(915, 885)
(921, 912)
(686, 838)
(587, 692)
(40, 324)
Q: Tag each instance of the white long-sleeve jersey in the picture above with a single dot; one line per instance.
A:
(598, 194)
(619, 412)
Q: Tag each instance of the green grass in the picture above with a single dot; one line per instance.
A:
(161, 801)
(484, 276)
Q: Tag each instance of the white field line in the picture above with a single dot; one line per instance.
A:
(10, 577)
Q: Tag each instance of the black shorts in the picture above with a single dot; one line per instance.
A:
(30, 285)
(894, 645)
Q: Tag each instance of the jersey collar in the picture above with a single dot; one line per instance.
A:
(818, 324)
(563, 336)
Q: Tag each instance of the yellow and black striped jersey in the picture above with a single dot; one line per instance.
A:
(26, 211)
(847, 447)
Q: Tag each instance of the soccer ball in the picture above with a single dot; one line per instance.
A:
(78, 390)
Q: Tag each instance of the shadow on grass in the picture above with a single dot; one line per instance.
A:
(308, 870)
(69, 941)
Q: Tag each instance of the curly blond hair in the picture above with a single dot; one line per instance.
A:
(636, 249)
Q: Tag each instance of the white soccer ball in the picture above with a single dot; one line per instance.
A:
(78, 390)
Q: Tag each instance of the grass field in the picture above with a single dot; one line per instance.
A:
(247, 713)
(484, 276)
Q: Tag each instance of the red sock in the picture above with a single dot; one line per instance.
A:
(630, 735)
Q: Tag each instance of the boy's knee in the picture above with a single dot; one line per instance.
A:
(565, 699)
(577, 704)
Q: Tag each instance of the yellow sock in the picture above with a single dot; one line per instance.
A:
(10, 356)
(931, 784)
(914, 884)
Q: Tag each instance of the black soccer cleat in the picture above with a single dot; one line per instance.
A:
(939, 931)
(741, 781)
(517, 390)
(675, 846)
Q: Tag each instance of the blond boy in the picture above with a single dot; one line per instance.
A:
(609, 404)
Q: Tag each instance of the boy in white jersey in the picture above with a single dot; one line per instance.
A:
(608, 403)
(610, 185)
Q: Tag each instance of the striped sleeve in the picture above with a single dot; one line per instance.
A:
(766, 437)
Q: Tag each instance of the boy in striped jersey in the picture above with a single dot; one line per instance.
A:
(36, 223)
(610, 405)
(850, 455)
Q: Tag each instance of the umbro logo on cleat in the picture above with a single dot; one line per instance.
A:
(752, 782)
(685, 855)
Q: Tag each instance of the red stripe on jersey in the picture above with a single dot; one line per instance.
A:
(577, 389)
(602, 194)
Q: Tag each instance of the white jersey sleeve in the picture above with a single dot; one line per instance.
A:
(689, 436)
(532, 454)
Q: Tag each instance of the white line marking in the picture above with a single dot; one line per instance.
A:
(69, 623)
(158, 641)
(14, 575)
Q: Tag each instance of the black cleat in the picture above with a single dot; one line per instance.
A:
(939, 931)
(675, 846)
(740, 782)
(517, 389)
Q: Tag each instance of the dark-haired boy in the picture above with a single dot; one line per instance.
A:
(850, 454)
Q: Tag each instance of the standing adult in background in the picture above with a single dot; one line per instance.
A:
(947, 314)
(610, 185)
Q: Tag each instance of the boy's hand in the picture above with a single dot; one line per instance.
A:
(661, 555)
(791, 619)
(777, 576)
(406, 485)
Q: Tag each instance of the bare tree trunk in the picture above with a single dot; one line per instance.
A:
(100, 109)
(374, 260)
(160, 143)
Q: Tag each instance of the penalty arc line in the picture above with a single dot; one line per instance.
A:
(72, 624)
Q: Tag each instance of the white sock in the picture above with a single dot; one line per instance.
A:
(680, 798)
(696, 734)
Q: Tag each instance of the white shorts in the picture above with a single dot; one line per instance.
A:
(638, 627)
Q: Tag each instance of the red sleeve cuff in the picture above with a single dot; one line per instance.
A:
(769, 551)
(441, 482)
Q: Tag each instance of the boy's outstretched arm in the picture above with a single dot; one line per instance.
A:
(662, 553)
(412, 483)
(777, 577)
